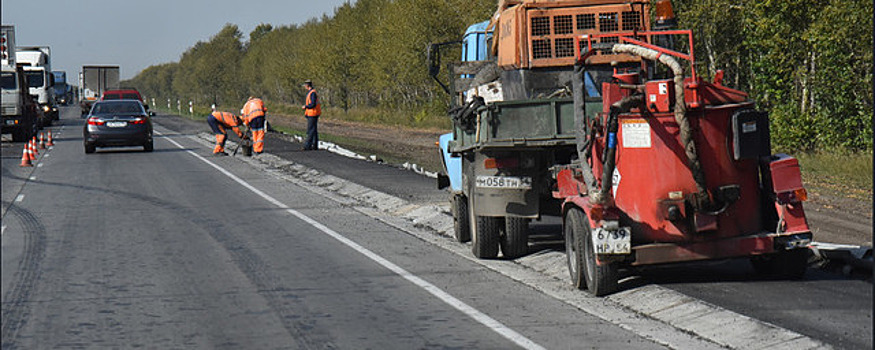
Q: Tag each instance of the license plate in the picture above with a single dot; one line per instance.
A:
(116, 124)
(10, 122)
(511, 182)
(617, 241)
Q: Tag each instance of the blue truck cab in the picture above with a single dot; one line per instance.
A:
(62, 89)
(474, 48)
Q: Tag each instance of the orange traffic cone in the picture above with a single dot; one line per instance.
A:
(33, 143)
(33, 151)
(42, 140)
(25, 157)
(49, 142)
(29, 148)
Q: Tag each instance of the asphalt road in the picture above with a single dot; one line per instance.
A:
(164, 250)
(169, 250)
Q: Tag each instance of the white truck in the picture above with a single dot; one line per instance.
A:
(37, 64)
(93, 81)
(19, 113)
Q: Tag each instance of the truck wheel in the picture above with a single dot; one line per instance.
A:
(573, 227)
(790, 264)
(484, 234)
(601, 278)
(461, 222)
(515, 241)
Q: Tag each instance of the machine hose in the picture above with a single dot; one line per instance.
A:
(703, 199)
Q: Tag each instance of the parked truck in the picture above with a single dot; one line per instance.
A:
(37, 63)
(93, 81)
(646, 162)
(63, 91)
(19, 113)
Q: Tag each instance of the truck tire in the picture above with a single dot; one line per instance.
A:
(484, 234)
(573, 250)
(599, 278)
(461, 221)
(515, 240)
(789, 264)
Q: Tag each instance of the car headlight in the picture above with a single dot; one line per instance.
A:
(46, 108)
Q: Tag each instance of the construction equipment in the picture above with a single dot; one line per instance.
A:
(246, 143)
(646, 162)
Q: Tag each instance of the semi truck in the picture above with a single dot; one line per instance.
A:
(19, 113)
(63, 91)
(93, 81)
(37, 64)
(604, 124)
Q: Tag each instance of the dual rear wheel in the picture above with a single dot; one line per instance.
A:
(488, 234)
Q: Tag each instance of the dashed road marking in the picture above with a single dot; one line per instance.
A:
(19, 198)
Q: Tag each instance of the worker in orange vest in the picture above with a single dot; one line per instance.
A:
(253, 116)
(312, 110)
(218, 121)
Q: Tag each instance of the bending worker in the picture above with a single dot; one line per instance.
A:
(218, 122)
(253, 116)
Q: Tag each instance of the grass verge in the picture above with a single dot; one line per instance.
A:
(847, 174)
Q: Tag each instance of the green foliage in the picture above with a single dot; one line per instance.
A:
(808, 62)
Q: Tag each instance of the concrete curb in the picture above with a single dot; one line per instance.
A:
(654, 312)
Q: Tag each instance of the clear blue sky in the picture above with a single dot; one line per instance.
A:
(136, 34)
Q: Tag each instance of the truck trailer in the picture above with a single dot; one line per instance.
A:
(93, 81)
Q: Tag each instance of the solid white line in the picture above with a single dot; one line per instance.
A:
(478, 316)
(19, 198)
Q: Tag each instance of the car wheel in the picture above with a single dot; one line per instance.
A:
(90, 148)
(148, 146)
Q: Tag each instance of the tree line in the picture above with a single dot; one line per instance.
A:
(808, 62)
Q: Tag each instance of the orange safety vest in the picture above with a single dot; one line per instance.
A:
(253, 108)
(226, 118)
(315, 111)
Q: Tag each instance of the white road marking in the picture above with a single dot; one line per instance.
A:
(475, 314)
(32, 178)
(40, 165)
(3, 230)
(19, 198)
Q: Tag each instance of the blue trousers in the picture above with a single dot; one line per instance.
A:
(312, 141)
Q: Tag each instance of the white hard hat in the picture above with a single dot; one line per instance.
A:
(213, 106)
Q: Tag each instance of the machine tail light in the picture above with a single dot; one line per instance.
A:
(501, 163)
(96, 121)
(795, 196)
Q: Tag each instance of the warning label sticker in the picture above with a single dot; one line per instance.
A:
(636, 133)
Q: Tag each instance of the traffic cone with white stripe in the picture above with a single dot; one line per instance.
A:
(49, 142)
(42, 140)
(33, 147)
(29, 147)
(25, 157)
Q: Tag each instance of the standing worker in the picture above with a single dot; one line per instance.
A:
(312, 110)
(254, 113)
(218, 122)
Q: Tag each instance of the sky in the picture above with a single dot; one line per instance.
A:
(136, 34)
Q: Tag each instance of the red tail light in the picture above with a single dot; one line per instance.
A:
(96, 121)
(137, 121)
(501, 163)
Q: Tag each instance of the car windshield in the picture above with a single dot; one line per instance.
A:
(118, 107)
(35, 79)
(8, 81)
